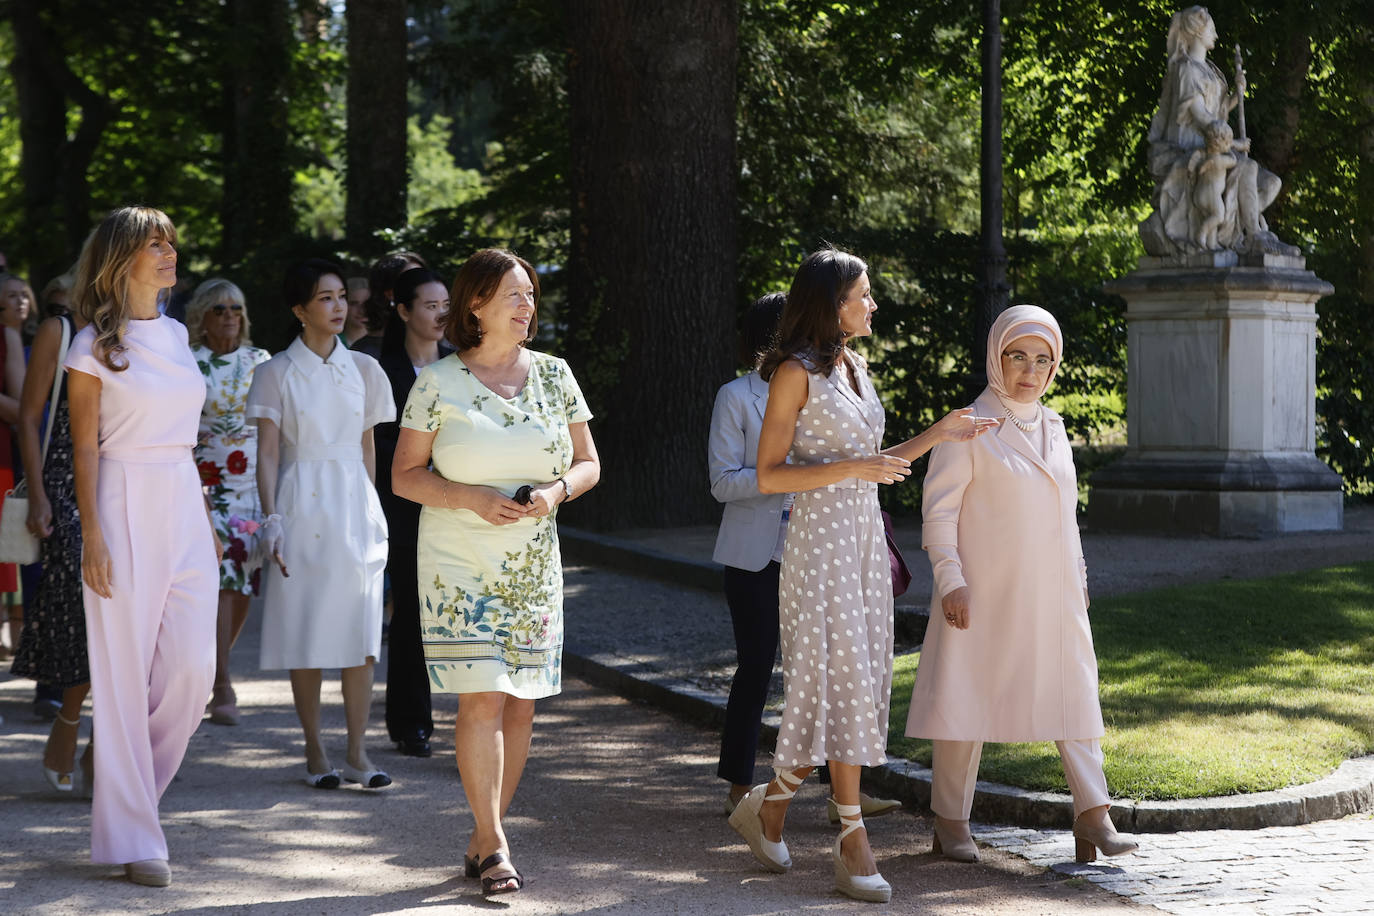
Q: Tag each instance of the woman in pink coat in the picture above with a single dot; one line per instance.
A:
(1011, 656)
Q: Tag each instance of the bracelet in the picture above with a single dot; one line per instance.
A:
(567, 490)
(444, 492)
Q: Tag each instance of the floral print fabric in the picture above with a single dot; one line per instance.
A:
(491, 596)
(226, 454)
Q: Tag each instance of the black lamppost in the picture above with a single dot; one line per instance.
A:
(992, 286)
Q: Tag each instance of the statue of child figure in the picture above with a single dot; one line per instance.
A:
(1209, 166)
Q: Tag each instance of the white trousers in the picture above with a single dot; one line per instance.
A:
(151, 645)
(954, 773)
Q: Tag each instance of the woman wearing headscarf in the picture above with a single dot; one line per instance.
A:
(1010, 655)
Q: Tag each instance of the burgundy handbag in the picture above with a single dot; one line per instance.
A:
(901, 576)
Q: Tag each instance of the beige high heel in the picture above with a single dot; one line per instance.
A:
(959, 848)
(1088, 840)
(871, 888)
(747, 823)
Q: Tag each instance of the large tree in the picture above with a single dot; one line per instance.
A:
(651, 292)
(376, 136)
(257, 174)
(54, 164)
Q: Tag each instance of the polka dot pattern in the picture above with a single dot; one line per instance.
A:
(835, 591)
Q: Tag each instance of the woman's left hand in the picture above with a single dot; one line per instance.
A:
(543, 499)
(963, 425)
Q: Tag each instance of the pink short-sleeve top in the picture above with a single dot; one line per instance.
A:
(155, 403)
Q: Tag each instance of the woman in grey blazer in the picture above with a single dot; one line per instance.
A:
(749, 545)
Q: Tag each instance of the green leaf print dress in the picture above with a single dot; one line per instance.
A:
(491, 596)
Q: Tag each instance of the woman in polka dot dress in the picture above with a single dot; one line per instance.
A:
(835, 594)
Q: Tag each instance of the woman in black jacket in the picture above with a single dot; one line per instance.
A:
(413, 339)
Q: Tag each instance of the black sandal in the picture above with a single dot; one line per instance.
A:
(471, 868)
(489, 882)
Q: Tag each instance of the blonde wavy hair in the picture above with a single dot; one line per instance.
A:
(100, 293)
(213, 292)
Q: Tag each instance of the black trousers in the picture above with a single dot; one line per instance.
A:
(753, 600)
(408, 710)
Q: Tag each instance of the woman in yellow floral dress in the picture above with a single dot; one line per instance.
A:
(226, 453)
(506, 430)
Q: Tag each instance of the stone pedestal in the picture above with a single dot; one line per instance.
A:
(1221, 401)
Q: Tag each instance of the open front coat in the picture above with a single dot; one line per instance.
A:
(1024, 670)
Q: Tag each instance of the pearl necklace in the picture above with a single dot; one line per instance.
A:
(1026, 426)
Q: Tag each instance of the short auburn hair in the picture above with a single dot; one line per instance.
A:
(475, 285)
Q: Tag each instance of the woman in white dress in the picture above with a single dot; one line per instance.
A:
(226, 455)
(315, 404)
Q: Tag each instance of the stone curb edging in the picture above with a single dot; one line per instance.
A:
(1349, 790)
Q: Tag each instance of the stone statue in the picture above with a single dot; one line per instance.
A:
(1209, 194)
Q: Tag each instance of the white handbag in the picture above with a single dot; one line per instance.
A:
(17, 543)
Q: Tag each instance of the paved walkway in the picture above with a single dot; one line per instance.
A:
(619, 812)
(681, 648)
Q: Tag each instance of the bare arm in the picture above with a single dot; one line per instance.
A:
(37, 388)
(14, 376)
(583, 474)
(786, 397)
(955, 426)
(412, 479)
(83, 401)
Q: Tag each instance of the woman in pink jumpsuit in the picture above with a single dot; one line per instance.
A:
(148, 563)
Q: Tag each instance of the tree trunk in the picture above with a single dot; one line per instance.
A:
(376, 136)
(53, 168)
(1273, 143)
(255, 211)
(652, 282)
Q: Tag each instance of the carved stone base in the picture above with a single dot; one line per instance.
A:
(1227, 496)
(1221, 400)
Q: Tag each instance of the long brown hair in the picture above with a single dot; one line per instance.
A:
(475, 284)
(101, 290)
(811, 318)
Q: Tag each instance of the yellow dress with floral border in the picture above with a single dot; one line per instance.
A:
(491, 596)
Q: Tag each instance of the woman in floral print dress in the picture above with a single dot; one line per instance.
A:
(226, 453)
(506, 431)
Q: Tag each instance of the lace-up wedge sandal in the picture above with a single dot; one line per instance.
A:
(871, 888)
(747, 823)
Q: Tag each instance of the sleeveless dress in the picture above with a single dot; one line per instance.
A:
(491, 596)
(227, 457)
(835, 591)
(53, 648)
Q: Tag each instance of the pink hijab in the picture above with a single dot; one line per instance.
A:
(1022, 321)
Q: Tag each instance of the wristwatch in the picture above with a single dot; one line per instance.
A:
(567, 490)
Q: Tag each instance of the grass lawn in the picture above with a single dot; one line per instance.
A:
(1236, 686)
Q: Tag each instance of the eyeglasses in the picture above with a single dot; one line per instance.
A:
(222, 308)
(1020, 361)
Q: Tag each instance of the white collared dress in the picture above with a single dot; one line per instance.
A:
(328, 612)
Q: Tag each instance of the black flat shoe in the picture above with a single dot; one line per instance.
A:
(415, 747)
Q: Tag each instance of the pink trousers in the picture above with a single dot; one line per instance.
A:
(954, 775)
(151, 645)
